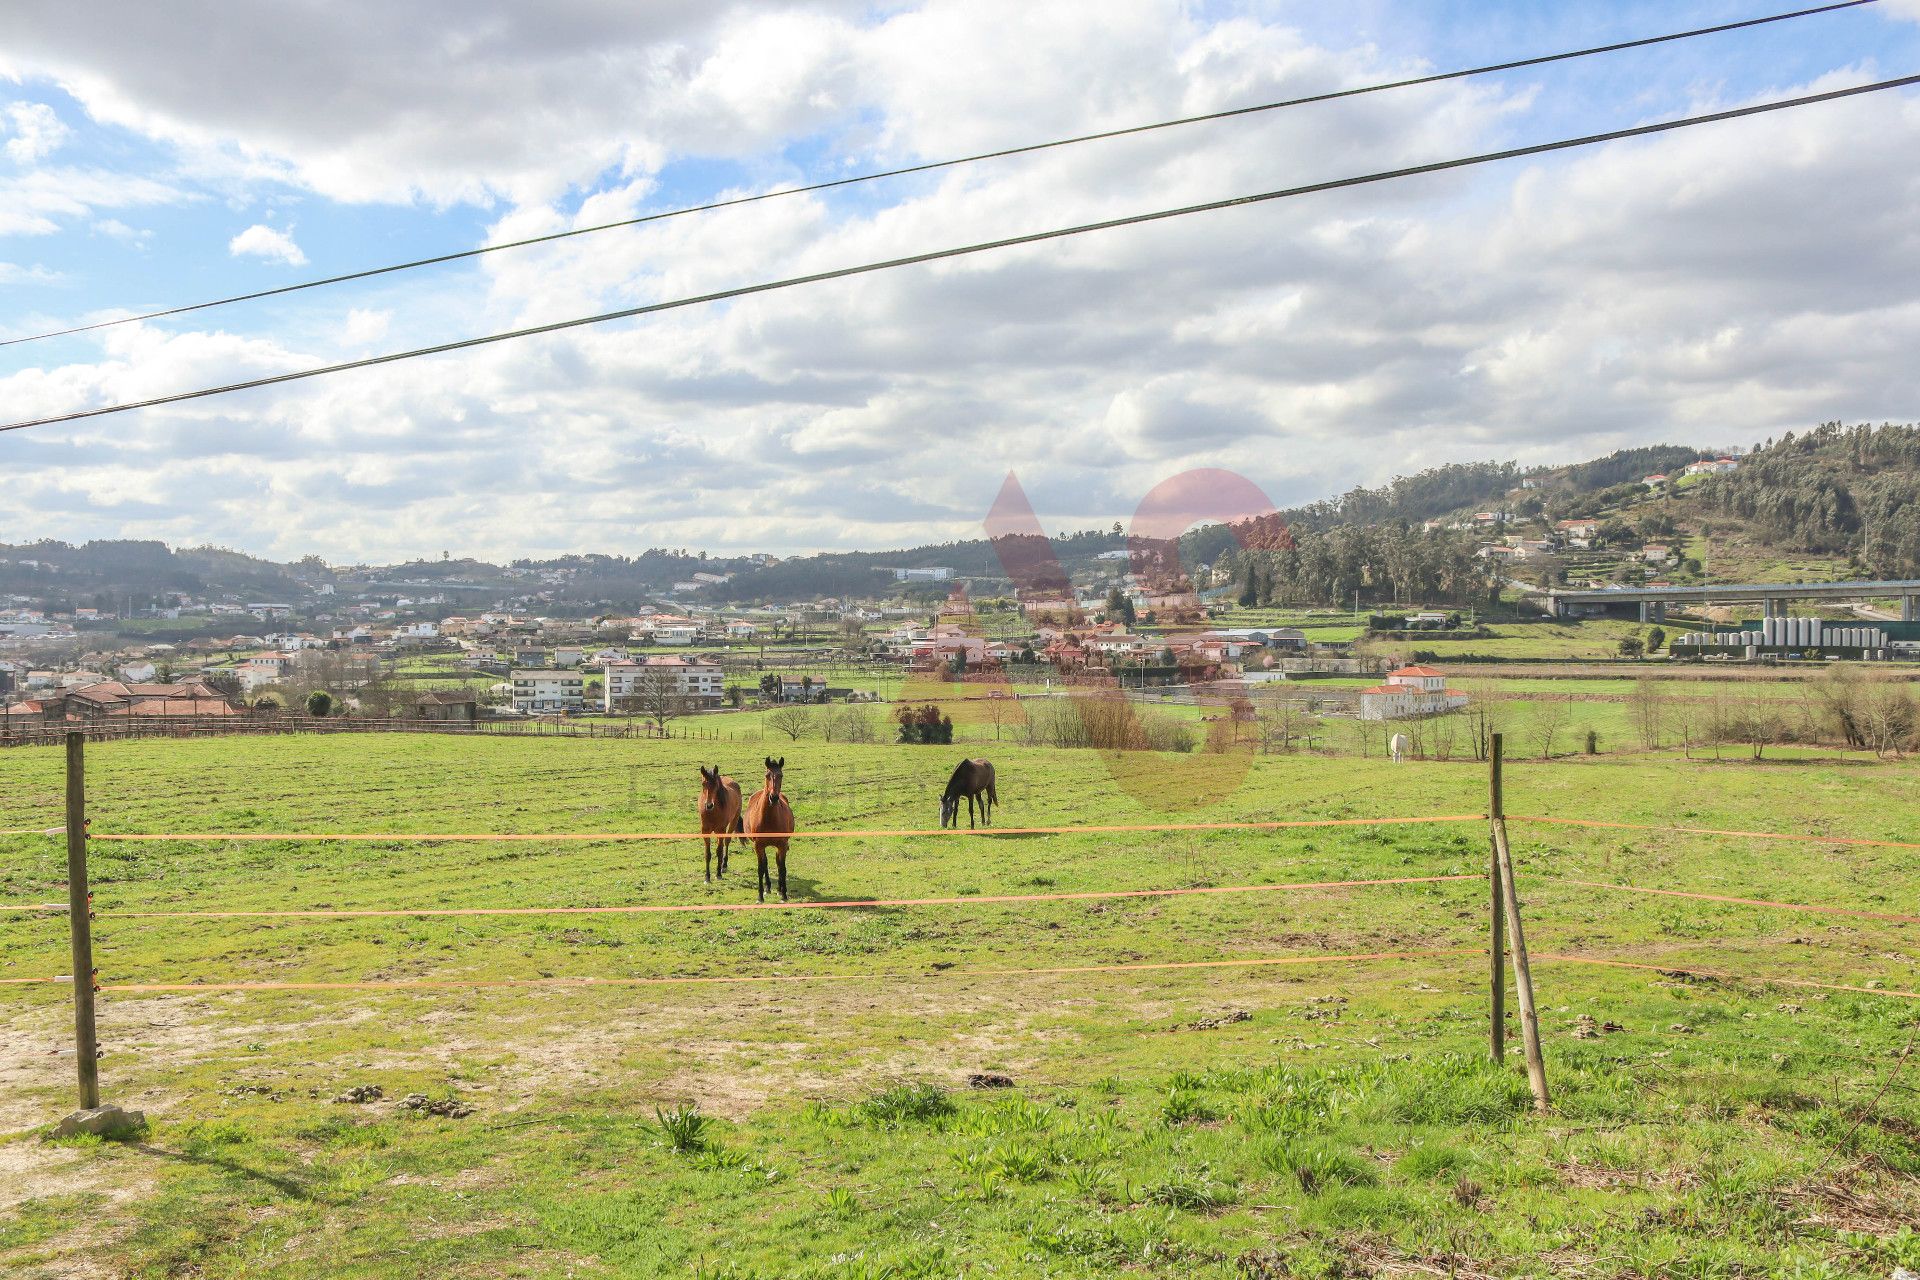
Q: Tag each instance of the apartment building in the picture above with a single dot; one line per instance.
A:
(546, 690)
(699, 685)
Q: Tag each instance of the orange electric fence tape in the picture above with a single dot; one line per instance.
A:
(34, 906)
(403, 984)
(34, 831)
(656, 908)
(1716, 831)
(435, 837)
(1741, 902)
(1688, 971)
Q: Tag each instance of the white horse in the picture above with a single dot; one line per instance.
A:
(1399, 747)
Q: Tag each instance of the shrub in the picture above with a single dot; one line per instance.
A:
(924, 726)
(1317, 1166)
(684, 1128)
(901, 1103)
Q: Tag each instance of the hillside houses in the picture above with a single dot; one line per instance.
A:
(261, 669)
(1576, 533)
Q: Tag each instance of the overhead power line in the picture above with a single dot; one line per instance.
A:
(936, 255)
(1330, 96)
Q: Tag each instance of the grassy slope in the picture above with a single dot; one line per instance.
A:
(1313, 1136)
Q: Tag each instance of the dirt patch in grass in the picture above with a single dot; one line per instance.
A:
(1589, 1177)
(1842, 1208)
(34, 1170)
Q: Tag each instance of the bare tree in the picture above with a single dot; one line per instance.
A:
(856, 724)
(794, 720)
(1647, 706)
(1280, 719)
(999, 710)
(1888, 718)
(1551, 718)
(656, 697)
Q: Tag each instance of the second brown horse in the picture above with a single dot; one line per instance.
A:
(719, 814)
(769, 821)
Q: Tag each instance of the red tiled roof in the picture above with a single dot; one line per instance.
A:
(176, 707)
(1417, 671)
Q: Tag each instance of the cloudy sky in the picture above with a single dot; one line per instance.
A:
(1712, 286)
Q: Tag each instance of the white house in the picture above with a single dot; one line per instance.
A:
(1410, 691)
(137, 672)
(699, 684)
(263, 669)
(1577, 533)
(546, 689)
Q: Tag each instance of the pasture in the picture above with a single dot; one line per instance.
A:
(797, 1101)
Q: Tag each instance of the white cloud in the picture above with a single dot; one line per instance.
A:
(365, 325)
(262, 241)
(1688, 287)
(36, 131)
(13, 273)
(114, 229)
(36, 201)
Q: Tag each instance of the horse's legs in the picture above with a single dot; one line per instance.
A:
(708, 841)
(781, 854)
(761, 850)
(723, 854)
(969, 811)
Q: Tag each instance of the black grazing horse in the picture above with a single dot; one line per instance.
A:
(972, 778)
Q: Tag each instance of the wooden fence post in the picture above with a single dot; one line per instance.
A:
(79, 923)
(1497, 947)
(1522, 970)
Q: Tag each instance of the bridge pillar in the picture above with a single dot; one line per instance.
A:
(1908, 612)
(1773, 608)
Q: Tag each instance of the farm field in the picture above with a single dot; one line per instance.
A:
(1288, 1113)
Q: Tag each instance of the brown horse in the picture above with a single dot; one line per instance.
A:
(973, 778)
(768, 822)
(719, 814)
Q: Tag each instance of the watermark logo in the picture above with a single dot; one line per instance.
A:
(1162, 698)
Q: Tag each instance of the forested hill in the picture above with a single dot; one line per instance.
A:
(1834, 490)
(1837, 490)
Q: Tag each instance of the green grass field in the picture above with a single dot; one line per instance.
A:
(1346, 1125)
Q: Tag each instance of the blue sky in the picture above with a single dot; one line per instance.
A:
(1676, 289)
